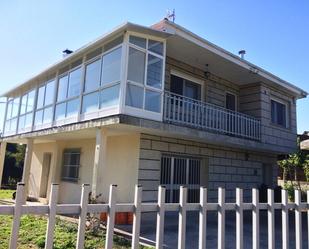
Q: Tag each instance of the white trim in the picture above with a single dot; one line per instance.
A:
(187, 76)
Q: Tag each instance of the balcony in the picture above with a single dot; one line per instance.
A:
(181, 110)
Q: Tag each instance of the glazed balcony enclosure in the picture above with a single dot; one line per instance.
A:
(124, 76)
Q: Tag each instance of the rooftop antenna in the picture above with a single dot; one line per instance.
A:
(170, 15)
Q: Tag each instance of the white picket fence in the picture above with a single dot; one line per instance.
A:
(160, 208)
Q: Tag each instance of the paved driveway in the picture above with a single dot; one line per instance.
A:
(171, 230)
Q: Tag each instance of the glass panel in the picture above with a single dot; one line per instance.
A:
(109, 96)
(40, 101)
(92, 77)
(138, 41)
(230, 102)
(177, 85)
(21, 122)
(72, 107)
(74, 83)
(60, 111)
(9, 111)
(28, 121)
(111, 66)
(23, 105)
(13, 124)
(62, 88)
(113, 43)
(192, 90)
(154, 71)
(48, 115)
(134, 96)
(153, 101)
(50, 91)
(30, 103)
(155, 46)
(38, 117)
(15, 107)
(7, 126)
(136, 67)
(90, 102)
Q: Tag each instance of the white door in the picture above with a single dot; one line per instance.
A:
(179, 171)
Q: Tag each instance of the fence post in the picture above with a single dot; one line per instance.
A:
(239, 218)
(202, 218)
(285, 219)
(20, 192)
(111, 217)
(182, 218)
(137, 217)
(271, 219)
(298, 221)
(255, 219)
(160, 217)
(221, 218)
(82, 216)
(53, 198)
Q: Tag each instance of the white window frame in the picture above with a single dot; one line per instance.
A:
(29, 128)
(287, 116)
(133, 111)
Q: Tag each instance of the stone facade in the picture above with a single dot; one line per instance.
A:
(226, 167)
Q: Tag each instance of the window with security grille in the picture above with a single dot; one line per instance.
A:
(179, 171)
(71, 164)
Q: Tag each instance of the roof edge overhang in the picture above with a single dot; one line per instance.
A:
(127, 26)
(168, 26)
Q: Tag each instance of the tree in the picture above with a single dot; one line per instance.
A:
(295, 162)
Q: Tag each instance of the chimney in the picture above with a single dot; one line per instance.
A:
(242, 54)
(66, 52)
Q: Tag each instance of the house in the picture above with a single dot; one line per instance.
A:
(151, 105)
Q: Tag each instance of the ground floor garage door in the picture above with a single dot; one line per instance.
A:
(179, 171)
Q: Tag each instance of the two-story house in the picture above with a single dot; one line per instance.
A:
(150, 106)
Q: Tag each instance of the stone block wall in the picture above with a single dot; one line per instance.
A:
(227, 167)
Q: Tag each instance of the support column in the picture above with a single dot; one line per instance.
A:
(2, 157)
(27, 165)
(99, 165)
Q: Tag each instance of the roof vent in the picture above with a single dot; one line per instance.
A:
(66, 52)
(242, 54)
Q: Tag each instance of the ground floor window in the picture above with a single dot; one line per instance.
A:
(179, 171)
(71, 164)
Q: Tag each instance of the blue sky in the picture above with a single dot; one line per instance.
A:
(275, 34)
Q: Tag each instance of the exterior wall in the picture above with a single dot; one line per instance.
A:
(255, 99)
(227, 167)
(122, 166)
(214, 88)
(121, 169)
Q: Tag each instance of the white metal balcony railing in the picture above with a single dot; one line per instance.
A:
(182, 110)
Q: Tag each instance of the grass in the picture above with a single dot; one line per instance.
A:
(33, 228)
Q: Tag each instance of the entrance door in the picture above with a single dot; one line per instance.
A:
(179, 171)
(45, 174)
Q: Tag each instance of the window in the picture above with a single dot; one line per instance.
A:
(102, 85)
(230, 101)
(44, 106)
(278, 113)
(177, 171)
(26, 110)
(68, 94)
(12, 114)
(185, 87)
(71, 164)
(145, 74)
